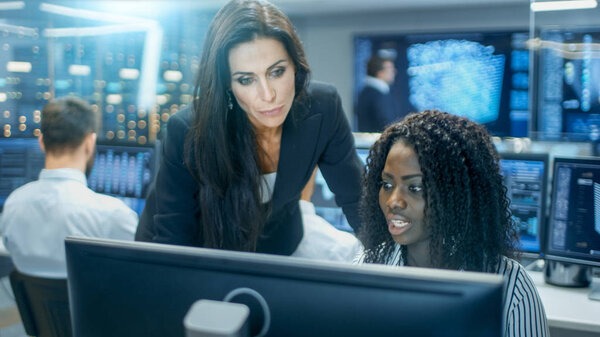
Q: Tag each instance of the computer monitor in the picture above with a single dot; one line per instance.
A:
(21, 160)
(526, 179)
(125, 171)
(573, 233)
(119, 288)
(569, 90)
(324, 201)
(483, 76)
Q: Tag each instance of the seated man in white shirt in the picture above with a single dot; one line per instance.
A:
(39, 215)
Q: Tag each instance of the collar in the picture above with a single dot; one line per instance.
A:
(378, 84)
(64, 173)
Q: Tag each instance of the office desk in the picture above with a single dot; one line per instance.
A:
(568, 309)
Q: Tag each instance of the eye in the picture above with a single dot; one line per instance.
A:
(244, 80)
(415, 188)
(278, 72)
(386, 186)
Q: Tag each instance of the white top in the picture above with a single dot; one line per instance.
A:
(267, 186)
(378, 84)
(322, 241)
(39, 215)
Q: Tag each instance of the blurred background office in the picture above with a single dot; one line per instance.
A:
(532, 77)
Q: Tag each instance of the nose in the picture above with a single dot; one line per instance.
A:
(267, 92)
(396, 201)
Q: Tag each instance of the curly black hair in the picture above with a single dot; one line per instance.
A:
(466, 203)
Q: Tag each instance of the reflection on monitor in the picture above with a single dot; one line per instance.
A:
(574, 228)
(525, 177)
(324, 201)
(124, 171)
(569, 89)
(119, 288)
(481, 76)
(21, 161)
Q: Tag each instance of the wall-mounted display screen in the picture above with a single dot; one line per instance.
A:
(569, 85)
(482, 76)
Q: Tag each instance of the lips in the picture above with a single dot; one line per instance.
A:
(398, 225)
(271, 112)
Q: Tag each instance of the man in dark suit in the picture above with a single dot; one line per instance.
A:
(376, 107)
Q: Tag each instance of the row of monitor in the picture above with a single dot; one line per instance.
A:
(485, 76)
(568, 230)
(121, 170)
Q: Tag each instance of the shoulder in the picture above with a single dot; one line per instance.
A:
(524, 310)
(21, 193)
(182, 118)
(111, 205)
(318, 89)
(322, 95)
(519, 287)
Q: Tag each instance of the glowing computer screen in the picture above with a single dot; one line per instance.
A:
(569, 85)
(525, 177)
(481, 76)
(573, 233)
(124, 171)
(21, 161)
(324, 200)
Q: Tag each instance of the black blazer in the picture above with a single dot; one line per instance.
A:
(314, 133)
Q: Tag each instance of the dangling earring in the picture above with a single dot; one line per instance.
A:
(229, 101)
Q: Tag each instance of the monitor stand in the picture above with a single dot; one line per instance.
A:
(571, 275)
(595, 293)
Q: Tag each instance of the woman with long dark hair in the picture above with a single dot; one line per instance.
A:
(234, 164)
(433, 197)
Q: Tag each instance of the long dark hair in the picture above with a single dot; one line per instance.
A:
(466, 204)
(221, 148)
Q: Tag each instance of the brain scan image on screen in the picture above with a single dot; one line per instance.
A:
(458, 76)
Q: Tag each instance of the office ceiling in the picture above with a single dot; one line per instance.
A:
(316, 7)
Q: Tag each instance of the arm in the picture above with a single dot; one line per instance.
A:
(176, 190)
(340, 164)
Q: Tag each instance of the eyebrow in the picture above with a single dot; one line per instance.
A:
(250, 73)
(406, 177)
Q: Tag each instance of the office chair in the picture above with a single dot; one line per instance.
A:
(43, 304)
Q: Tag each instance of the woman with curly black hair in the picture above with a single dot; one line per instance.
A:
(433, 196)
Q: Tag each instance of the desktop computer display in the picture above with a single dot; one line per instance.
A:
(120, 288)
(525, 177)
(483, 76)
(573, 233)
(124, 171)
(324, 201)
(21, 161)
(569, 90)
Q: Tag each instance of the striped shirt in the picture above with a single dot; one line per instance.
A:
(523, 313)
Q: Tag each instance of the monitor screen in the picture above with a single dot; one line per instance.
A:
(125, 171)
(526, 177)
(569, 89)
(21, 160)
(119, 288)
(324, 201)
(482, 76)
(573, 233)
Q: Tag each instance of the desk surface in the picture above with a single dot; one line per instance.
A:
(568, 308)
